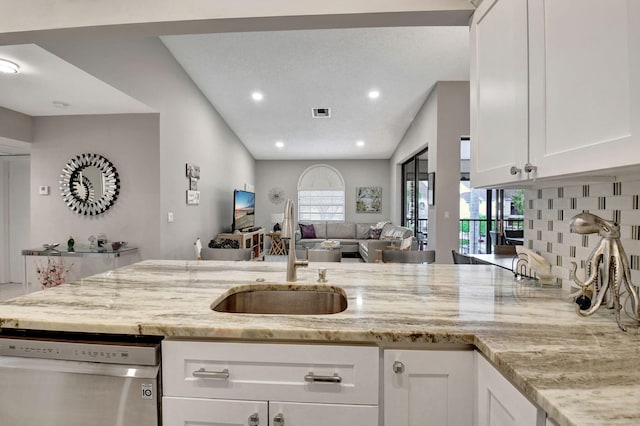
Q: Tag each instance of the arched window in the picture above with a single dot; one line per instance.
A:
(321, 194)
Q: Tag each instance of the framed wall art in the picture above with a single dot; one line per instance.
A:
(369, 199)
(193, 197)
(193, 174)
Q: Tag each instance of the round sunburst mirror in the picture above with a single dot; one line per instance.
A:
(89, 184)
(276, 195)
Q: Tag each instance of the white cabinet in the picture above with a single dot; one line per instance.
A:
(550, 422)
(212, 412)
(555, 90)
(498, 402)
(215, 383)
(233, 384)
(305, 414)
(428, 387)
(584, 85)
(499, 92)
(217, 412)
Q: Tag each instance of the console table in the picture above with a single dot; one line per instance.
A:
(80, 251)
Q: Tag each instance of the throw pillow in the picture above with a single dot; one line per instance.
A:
(307, 231)
(374, 233)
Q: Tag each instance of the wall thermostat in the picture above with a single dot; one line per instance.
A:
(43, 190)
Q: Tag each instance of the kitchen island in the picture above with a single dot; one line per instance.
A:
(579, 370)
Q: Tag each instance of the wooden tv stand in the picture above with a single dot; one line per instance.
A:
(253, 240)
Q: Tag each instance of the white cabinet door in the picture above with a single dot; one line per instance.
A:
(213, 412)
(584, 85)
(498, 402)
(428, 387)
(177, 411)
(302, 414)
(499, 92)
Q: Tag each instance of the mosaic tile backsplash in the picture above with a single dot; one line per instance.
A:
(547, 215)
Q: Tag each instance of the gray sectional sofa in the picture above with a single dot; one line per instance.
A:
(355, 237)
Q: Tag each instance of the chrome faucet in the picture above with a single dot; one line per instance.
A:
(288, 231)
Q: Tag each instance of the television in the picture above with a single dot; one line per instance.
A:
(244, 209)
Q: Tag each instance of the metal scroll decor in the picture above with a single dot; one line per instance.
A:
(89, 184)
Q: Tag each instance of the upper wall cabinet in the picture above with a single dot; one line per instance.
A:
(584, 66)
(582, 91)
(499, 92)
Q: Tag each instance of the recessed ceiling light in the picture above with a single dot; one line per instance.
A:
(9, 67)
(60, 104)
(280, 144)
(374, 94)
(257, 96)
(360, 144)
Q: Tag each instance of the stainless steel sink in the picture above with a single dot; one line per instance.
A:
(282, 299)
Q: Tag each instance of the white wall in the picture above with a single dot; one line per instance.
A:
(15, 125)
(15, 137)
(14, 223)
(439, 124)
(453, 123)
(19, 232)
(191, 131)
(285, 175)
(131, 143)
(4, 222)
(422, 133)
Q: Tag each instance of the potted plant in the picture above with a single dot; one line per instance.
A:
(53, 273)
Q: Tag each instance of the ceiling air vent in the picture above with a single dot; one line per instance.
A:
(321, 112)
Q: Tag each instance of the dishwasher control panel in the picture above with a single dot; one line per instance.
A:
(108, 352)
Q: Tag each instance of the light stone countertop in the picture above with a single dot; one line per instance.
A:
(581, 371)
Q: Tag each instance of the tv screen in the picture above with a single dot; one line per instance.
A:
(244, 207)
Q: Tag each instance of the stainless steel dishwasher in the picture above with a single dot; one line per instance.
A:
(79, 379)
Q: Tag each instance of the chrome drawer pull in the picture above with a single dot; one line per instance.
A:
(278, 420)
(205, 374)
(323, 379)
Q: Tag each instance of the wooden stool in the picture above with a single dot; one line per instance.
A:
(278, 245)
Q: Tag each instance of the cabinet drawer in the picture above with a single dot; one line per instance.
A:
(283, 372)
(295, 413)
(212, 412)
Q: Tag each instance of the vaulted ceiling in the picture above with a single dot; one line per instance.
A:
(296, 71)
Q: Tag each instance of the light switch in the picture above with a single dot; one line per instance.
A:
(170, 217)
(43, 190)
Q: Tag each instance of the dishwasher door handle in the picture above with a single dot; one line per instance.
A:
(216, 375)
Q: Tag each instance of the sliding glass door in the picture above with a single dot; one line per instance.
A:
(414, 195)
